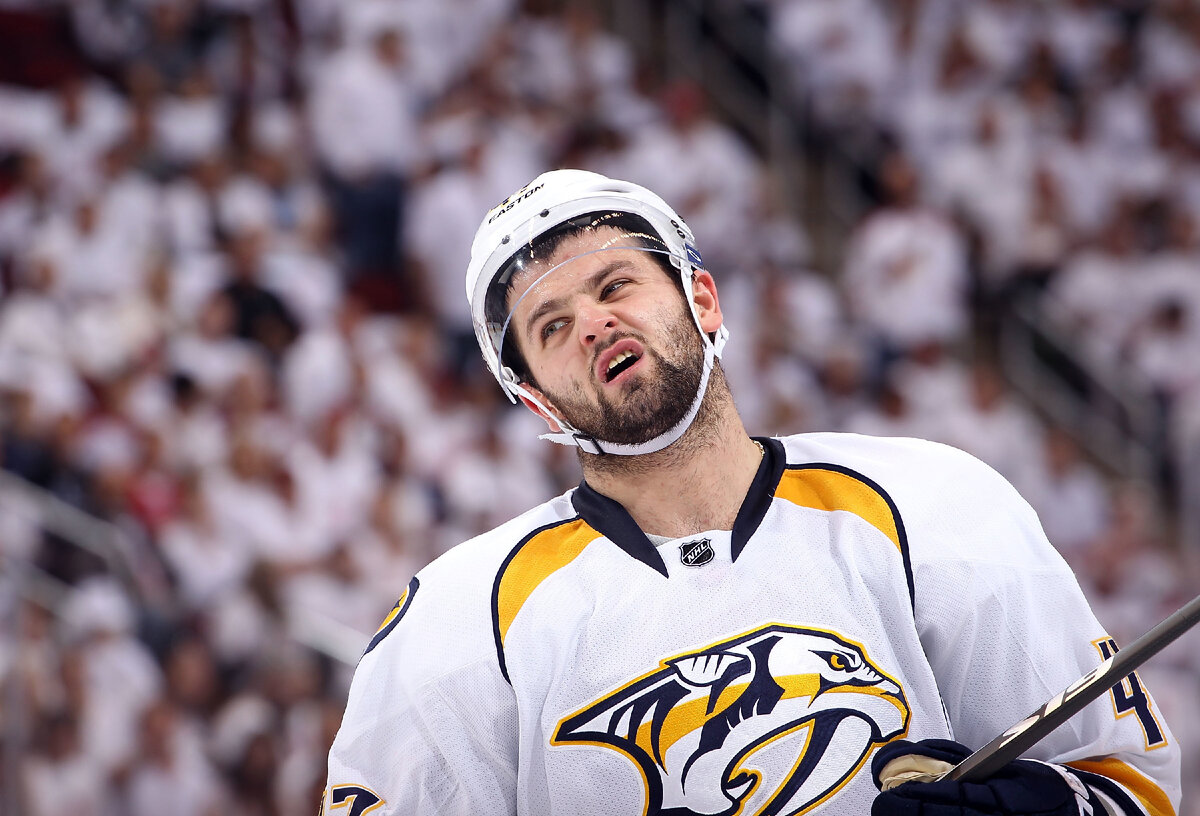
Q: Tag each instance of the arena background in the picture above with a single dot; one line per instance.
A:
(240, 402)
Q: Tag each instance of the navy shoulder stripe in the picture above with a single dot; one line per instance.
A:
(394, 617)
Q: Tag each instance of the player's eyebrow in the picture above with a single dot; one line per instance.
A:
(556, 303)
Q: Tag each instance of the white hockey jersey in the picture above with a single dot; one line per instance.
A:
(870, 589)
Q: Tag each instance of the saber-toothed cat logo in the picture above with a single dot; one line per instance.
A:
(773, 721)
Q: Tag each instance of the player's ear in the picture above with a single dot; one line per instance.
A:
(708, 305)
(543, 410)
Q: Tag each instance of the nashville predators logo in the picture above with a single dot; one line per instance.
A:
(774, 721)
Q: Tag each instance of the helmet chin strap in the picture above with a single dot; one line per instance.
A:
(571, 435)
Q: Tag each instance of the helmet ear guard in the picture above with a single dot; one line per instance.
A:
(514, 233)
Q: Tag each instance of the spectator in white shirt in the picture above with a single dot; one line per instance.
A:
(572, 62)
(332, 590)
(34, 325)
(934, 381)
(891, 414)
(190, 204)
(1119, 106)
(1165, 349)
(363, 115)
(167, 777)
(131, 200)
(1080, 32)
(984, 182)
(1089, 296)
(88, 120)
(1030, 255)
(1170, 45)
(930, 118)
(336, 477)
(399, 539)
(118, 676)
(27, 206)
(208, 352)
(491, 481)
(440, 230)
(194, 429)
(905, 275)
(995, 427)
(32, 660)
(1001, 32)
(839, 51)
(192, 123)
(1083, 169)
(1070, 496)
(246, 746)
(93, 258)
(277, 160)
(60, 779)
(784, 391)
(207, 562)
(704, 168)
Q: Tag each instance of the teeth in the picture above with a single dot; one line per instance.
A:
(620, 358)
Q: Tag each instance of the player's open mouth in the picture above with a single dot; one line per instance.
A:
(618, 359)
(619, 364)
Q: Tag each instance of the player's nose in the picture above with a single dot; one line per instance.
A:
(595, 323)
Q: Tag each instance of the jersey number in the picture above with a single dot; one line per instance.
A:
(359, 800)
(1130, 695)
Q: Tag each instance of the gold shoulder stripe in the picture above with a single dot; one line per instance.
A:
(1149, 795)
(823, 489)
(396, 610)
(538, 558)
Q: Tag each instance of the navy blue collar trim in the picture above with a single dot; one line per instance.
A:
(760, 494)
(613, 521)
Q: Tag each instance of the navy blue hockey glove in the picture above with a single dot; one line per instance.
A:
(1020, 788)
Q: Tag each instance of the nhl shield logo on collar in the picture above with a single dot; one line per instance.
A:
(696, 553)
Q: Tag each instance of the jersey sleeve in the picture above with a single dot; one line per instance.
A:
(430, 725)
(1006, 626)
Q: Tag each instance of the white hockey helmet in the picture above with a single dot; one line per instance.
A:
(514, 225)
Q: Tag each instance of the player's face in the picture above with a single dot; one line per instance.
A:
(608, 338)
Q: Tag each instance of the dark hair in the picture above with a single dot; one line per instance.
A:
(542, 247)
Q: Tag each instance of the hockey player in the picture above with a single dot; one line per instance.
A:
(712, 623)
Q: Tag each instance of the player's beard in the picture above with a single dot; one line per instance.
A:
(652, 402)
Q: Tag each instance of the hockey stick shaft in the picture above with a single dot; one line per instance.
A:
(1066, 704)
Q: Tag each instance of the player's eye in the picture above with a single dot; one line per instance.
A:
(551, 327)
(612, 287)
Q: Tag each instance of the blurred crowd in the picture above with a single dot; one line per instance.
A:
(1062, 140)
(233, 237)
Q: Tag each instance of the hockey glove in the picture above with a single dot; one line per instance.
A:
(1021, 788)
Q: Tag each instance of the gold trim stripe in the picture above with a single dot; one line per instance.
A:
(830, 490)
(1149, 795)
(540, 556)
(392, 613)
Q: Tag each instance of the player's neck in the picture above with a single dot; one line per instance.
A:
(696, 484)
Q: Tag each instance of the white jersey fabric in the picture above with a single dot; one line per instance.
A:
(870, 589)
